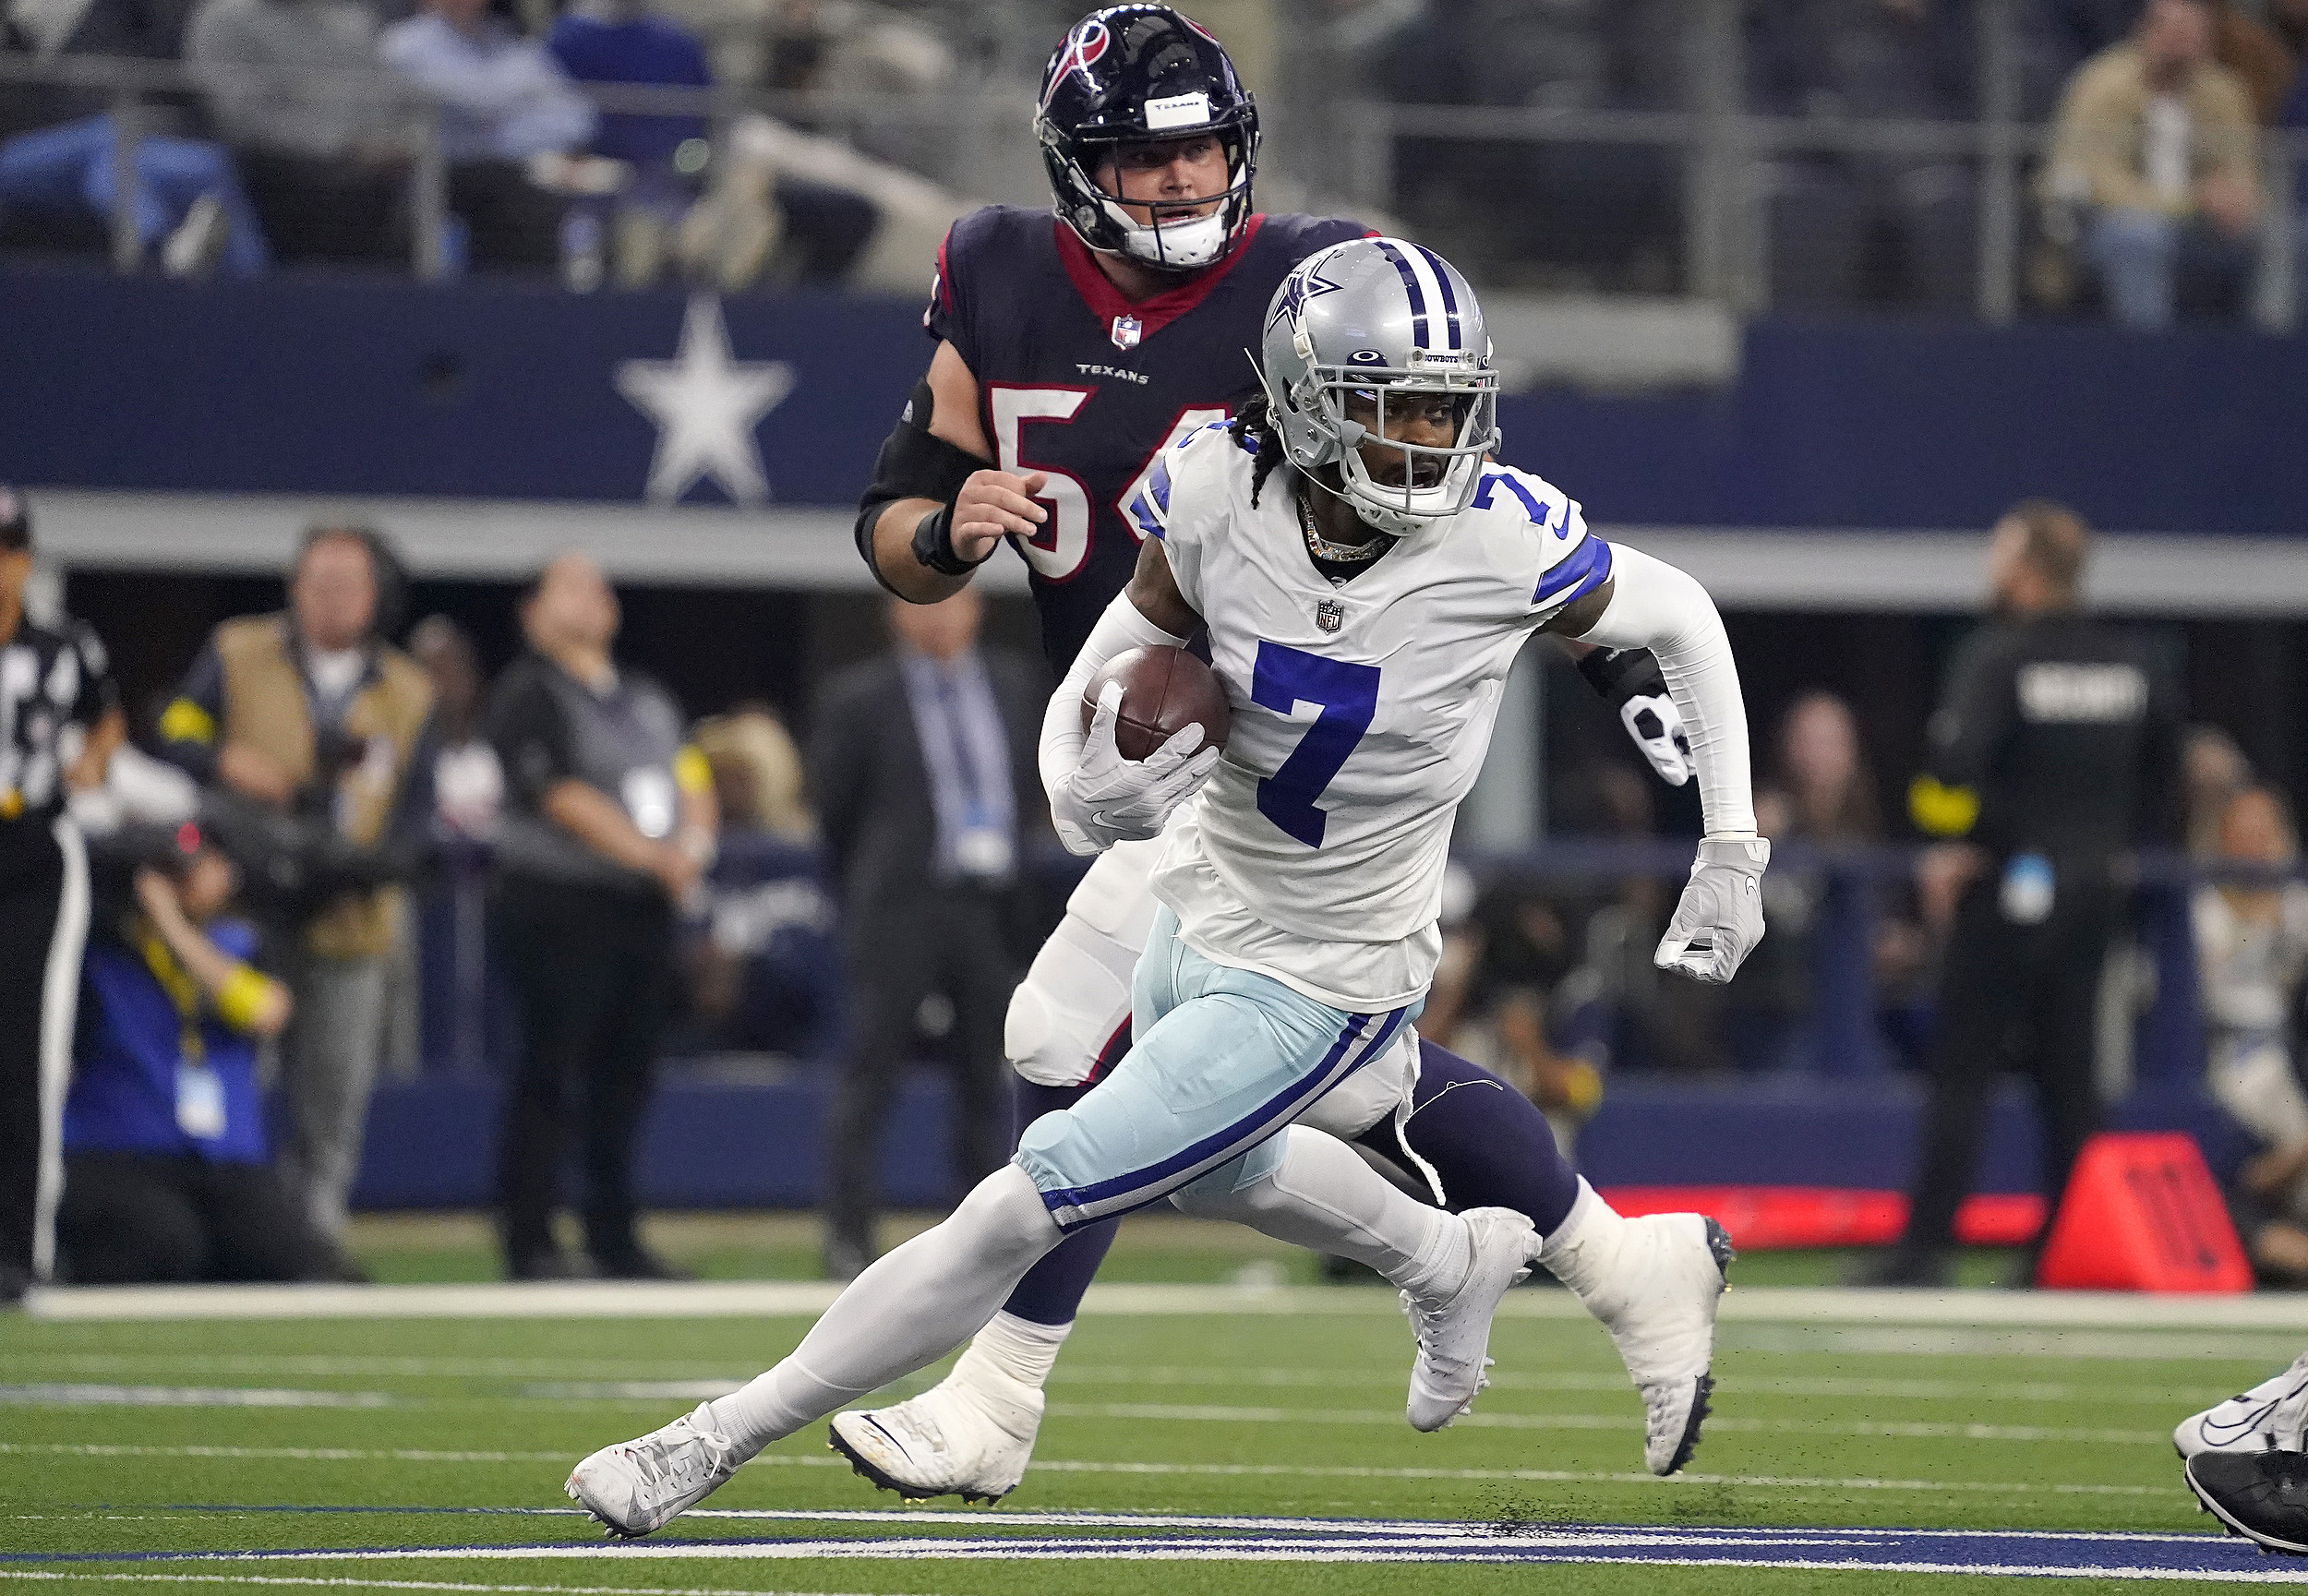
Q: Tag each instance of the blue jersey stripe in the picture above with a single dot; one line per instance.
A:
(1410, 285)
(1449, 299)
(1586, 568)
(1142, 514)
(1159, 483)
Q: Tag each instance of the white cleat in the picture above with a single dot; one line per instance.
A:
(1455, 1334)
(637, 1486)
(2271, 1417)
(1657, 1298)
(972, 1435)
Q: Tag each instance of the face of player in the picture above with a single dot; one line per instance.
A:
(1187, 176)
(1430, 420)
(335, 595)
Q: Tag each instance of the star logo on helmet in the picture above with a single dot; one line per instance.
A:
(1306, 282)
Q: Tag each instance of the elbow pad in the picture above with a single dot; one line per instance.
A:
(912, 464)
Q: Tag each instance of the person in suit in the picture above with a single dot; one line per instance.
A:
(922, 767)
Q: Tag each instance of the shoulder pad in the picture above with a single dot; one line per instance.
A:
(1545, 507)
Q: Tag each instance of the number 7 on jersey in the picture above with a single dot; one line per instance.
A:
(1281, 679)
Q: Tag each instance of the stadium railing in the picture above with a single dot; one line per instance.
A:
(1347, 154)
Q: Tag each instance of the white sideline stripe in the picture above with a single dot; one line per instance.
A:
(1163, 1412)
(393, 1584)
(603, 1299)
(1067, 1466)
(675, 1387)
(74, 1396)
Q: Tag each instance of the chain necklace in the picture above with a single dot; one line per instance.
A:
(1322, 548)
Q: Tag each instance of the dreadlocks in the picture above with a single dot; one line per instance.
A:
(1252, 425)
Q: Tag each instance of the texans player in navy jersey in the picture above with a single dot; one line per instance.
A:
(1072, 349)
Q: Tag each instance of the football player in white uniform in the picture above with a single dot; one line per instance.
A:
(1362, 616)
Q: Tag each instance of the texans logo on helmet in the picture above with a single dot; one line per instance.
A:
(1083, 46)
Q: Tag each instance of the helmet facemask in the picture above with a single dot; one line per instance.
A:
(1438, 480)
(1174, 238)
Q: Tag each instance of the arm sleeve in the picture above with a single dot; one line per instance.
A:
(1963, 738)
(192, 724)
(1654, 605)
(533, 743)
(836, 767)
(1120, 629)
(1968, 727)
(99, 694)
(410, 830)
(947, 317)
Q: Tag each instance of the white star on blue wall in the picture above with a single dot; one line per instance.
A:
(706, 405)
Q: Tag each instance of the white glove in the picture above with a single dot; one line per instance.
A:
(1720, 917)
(1107, 799)
(1656, 725)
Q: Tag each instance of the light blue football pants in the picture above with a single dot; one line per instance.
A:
(1197, 1111)
(1224, 1058)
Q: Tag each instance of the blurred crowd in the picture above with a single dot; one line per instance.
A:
(2146, 197)
(299, 135)
(297, 129)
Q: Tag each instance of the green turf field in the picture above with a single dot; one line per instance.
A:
(132, 1437)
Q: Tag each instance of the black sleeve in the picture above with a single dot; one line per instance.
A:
(2163, 811)
(188, 727)
(531, 738)
(1619, 674)
(837, 766)
(912, 464)
(946, 319)
(1968, 729)
(99, 694)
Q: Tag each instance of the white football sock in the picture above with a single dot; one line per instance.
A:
(1581, 1250)
(1014, 1349)
(914, 1305)
(1322, 1196)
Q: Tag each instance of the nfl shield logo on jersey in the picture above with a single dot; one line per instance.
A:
(1330, 614)
(1127, 332)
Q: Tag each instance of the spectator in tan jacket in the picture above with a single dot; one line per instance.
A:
(2155, 142)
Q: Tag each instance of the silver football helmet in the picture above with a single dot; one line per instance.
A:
(1366, 324)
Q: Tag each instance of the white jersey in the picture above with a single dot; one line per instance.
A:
(1362, 714)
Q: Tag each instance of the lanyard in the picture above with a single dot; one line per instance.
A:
(182, 989)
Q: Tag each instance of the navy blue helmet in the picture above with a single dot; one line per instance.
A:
(1127, 73)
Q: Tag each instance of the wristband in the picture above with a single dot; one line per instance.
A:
(242, 997)
(933, 544)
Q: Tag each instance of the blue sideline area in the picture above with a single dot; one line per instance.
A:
(713, 1144)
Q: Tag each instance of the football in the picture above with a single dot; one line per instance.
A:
(1164, 690)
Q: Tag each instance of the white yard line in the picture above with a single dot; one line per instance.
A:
(85, 1395)
(1215, 1414)
(1766, 1304)
(599, 1378)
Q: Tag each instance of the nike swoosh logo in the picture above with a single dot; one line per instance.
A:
(2236, 1426)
